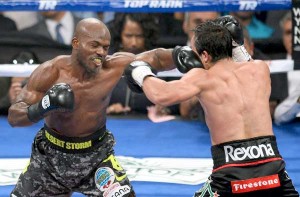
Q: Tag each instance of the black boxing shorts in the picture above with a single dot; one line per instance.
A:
(60, 165)
(246, 168)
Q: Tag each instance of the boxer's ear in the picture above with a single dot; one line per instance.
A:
(75, 43)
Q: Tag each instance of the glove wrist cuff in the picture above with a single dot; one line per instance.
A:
(140, 72)
(240, 54)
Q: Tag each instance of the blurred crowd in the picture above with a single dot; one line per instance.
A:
(138, 32)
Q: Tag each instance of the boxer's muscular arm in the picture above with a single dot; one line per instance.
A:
(39, 82)
(160, 59)
(176, 91)
(182, 58)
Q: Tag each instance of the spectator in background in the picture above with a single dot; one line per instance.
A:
(272, 18)
(135, 33)
(286, 31)
(7, 25)
(22, 19)
(58, 26)
(192, 19)
(256, 28)
(289, 109)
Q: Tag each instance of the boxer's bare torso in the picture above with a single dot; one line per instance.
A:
(234, 96)
(91, 74)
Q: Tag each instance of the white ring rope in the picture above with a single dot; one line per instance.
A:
(16, 70)
(275, 66)
(20, 70)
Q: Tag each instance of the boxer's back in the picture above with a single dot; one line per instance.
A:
(237, 102)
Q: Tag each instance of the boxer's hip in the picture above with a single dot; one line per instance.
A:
(73, 144)
(245, 152)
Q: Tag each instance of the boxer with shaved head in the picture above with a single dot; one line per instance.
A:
(73, 151)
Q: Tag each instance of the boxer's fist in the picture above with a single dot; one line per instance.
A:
(135, 73)
(239, 53)
(185, 59)
(59, 97)
(234, 27)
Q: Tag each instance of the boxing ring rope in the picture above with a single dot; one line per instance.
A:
(144, 5)
(20, 70)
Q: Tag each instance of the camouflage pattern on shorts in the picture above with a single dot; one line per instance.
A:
(52, 172)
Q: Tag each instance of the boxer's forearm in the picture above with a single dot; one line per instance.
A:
(160, 59)
(17, 115)
(165, 93)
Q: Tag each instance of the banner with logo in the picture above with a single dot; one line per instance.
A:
(189, 171)
(144, 5)
(296, 33)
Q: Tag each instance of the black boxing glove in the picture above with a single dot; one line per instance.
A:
(185, 59)
(59, 97)
(135, 73)
(239, 52)
(233, 27)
